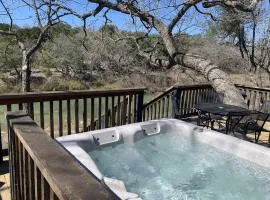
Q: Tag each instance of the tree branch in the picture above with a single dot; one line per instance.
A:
(129, 9)
(9, 15)
(206, 13)
(36, 13)
(238, 5)
(187, 5)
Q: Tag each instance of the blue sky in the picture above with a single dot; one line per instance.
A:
(24, 16)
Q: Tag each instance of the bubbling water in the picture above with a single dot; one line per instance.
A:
(170, 167)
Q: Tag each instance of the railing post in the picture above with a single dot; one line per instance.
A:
(1, 147)
(175, 102)
(140, 106)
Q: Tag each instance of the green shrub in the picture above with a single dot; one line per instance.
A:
(47, 72)
(58, 84)
(76, 85)
(107, 85)
(8, 87)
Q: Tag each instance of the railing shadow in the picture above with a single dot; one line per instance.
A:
(4, 168)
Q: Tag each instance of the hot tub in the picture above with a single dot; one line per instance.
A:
(172, 159)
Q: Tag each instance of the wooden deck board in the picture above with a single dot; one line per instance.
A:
(4, 181)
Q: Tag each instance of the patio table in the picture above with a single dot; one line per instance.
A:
(225, 110)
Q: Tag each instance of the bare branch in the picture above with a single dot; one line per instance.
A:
(128, 9)
(36, 13)
(206, 13)
(187, 5)
(70, 11)
(238, 5)
(9, 15)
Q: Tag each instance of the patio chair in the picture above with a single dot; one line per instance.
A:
(253, 124)
(206, 119)
(265, 106)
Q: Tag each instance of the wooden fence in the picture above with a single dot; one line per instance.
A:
(187, 98)
(69, 112)
(41, 169)
(159, 106)
(255, 96)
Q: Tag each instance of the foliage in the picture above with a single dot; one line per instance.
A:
(4, 27)
(108, 29)
(66, 57)
(10, 56)
(108, 85)
(62, 28)
(61, 84)
(106, 57)
(7, 86)
(29, 33)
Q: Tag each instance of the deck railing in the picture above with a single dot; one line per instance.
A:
(69, 112)
(159, 106)
(38, 164)
(188, 96)
(41, 169)
(255, 96)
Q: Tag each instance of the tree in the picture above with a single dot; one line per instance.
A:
(250, 33)
(66, 57)
(159, 16)
(31, 40)
(18, 34)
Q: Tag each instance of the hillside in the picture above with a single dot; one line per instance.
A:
(109, 58)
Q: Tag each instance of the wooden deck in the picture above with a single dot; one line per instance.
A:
(4, 169)
(4, 180)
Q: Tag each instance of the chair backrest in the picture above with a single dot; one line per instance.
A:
(265, 107)
(261, 118)
(210, 97)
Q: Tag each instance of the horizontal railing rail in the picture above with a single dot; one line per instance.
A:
(263, 89)
(41, 169)
(69, 112)
(29, 97)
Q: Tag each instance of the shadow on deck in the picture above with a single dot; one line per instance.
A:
(4, 180)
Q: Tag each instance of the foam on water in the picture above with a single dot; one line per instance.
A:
(168, 166)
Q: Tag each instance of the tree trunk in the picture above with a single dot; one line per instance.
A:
(219, 80)
(26, 73)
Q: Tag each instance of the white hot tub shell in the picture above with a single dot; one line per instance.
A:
(79, 144)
